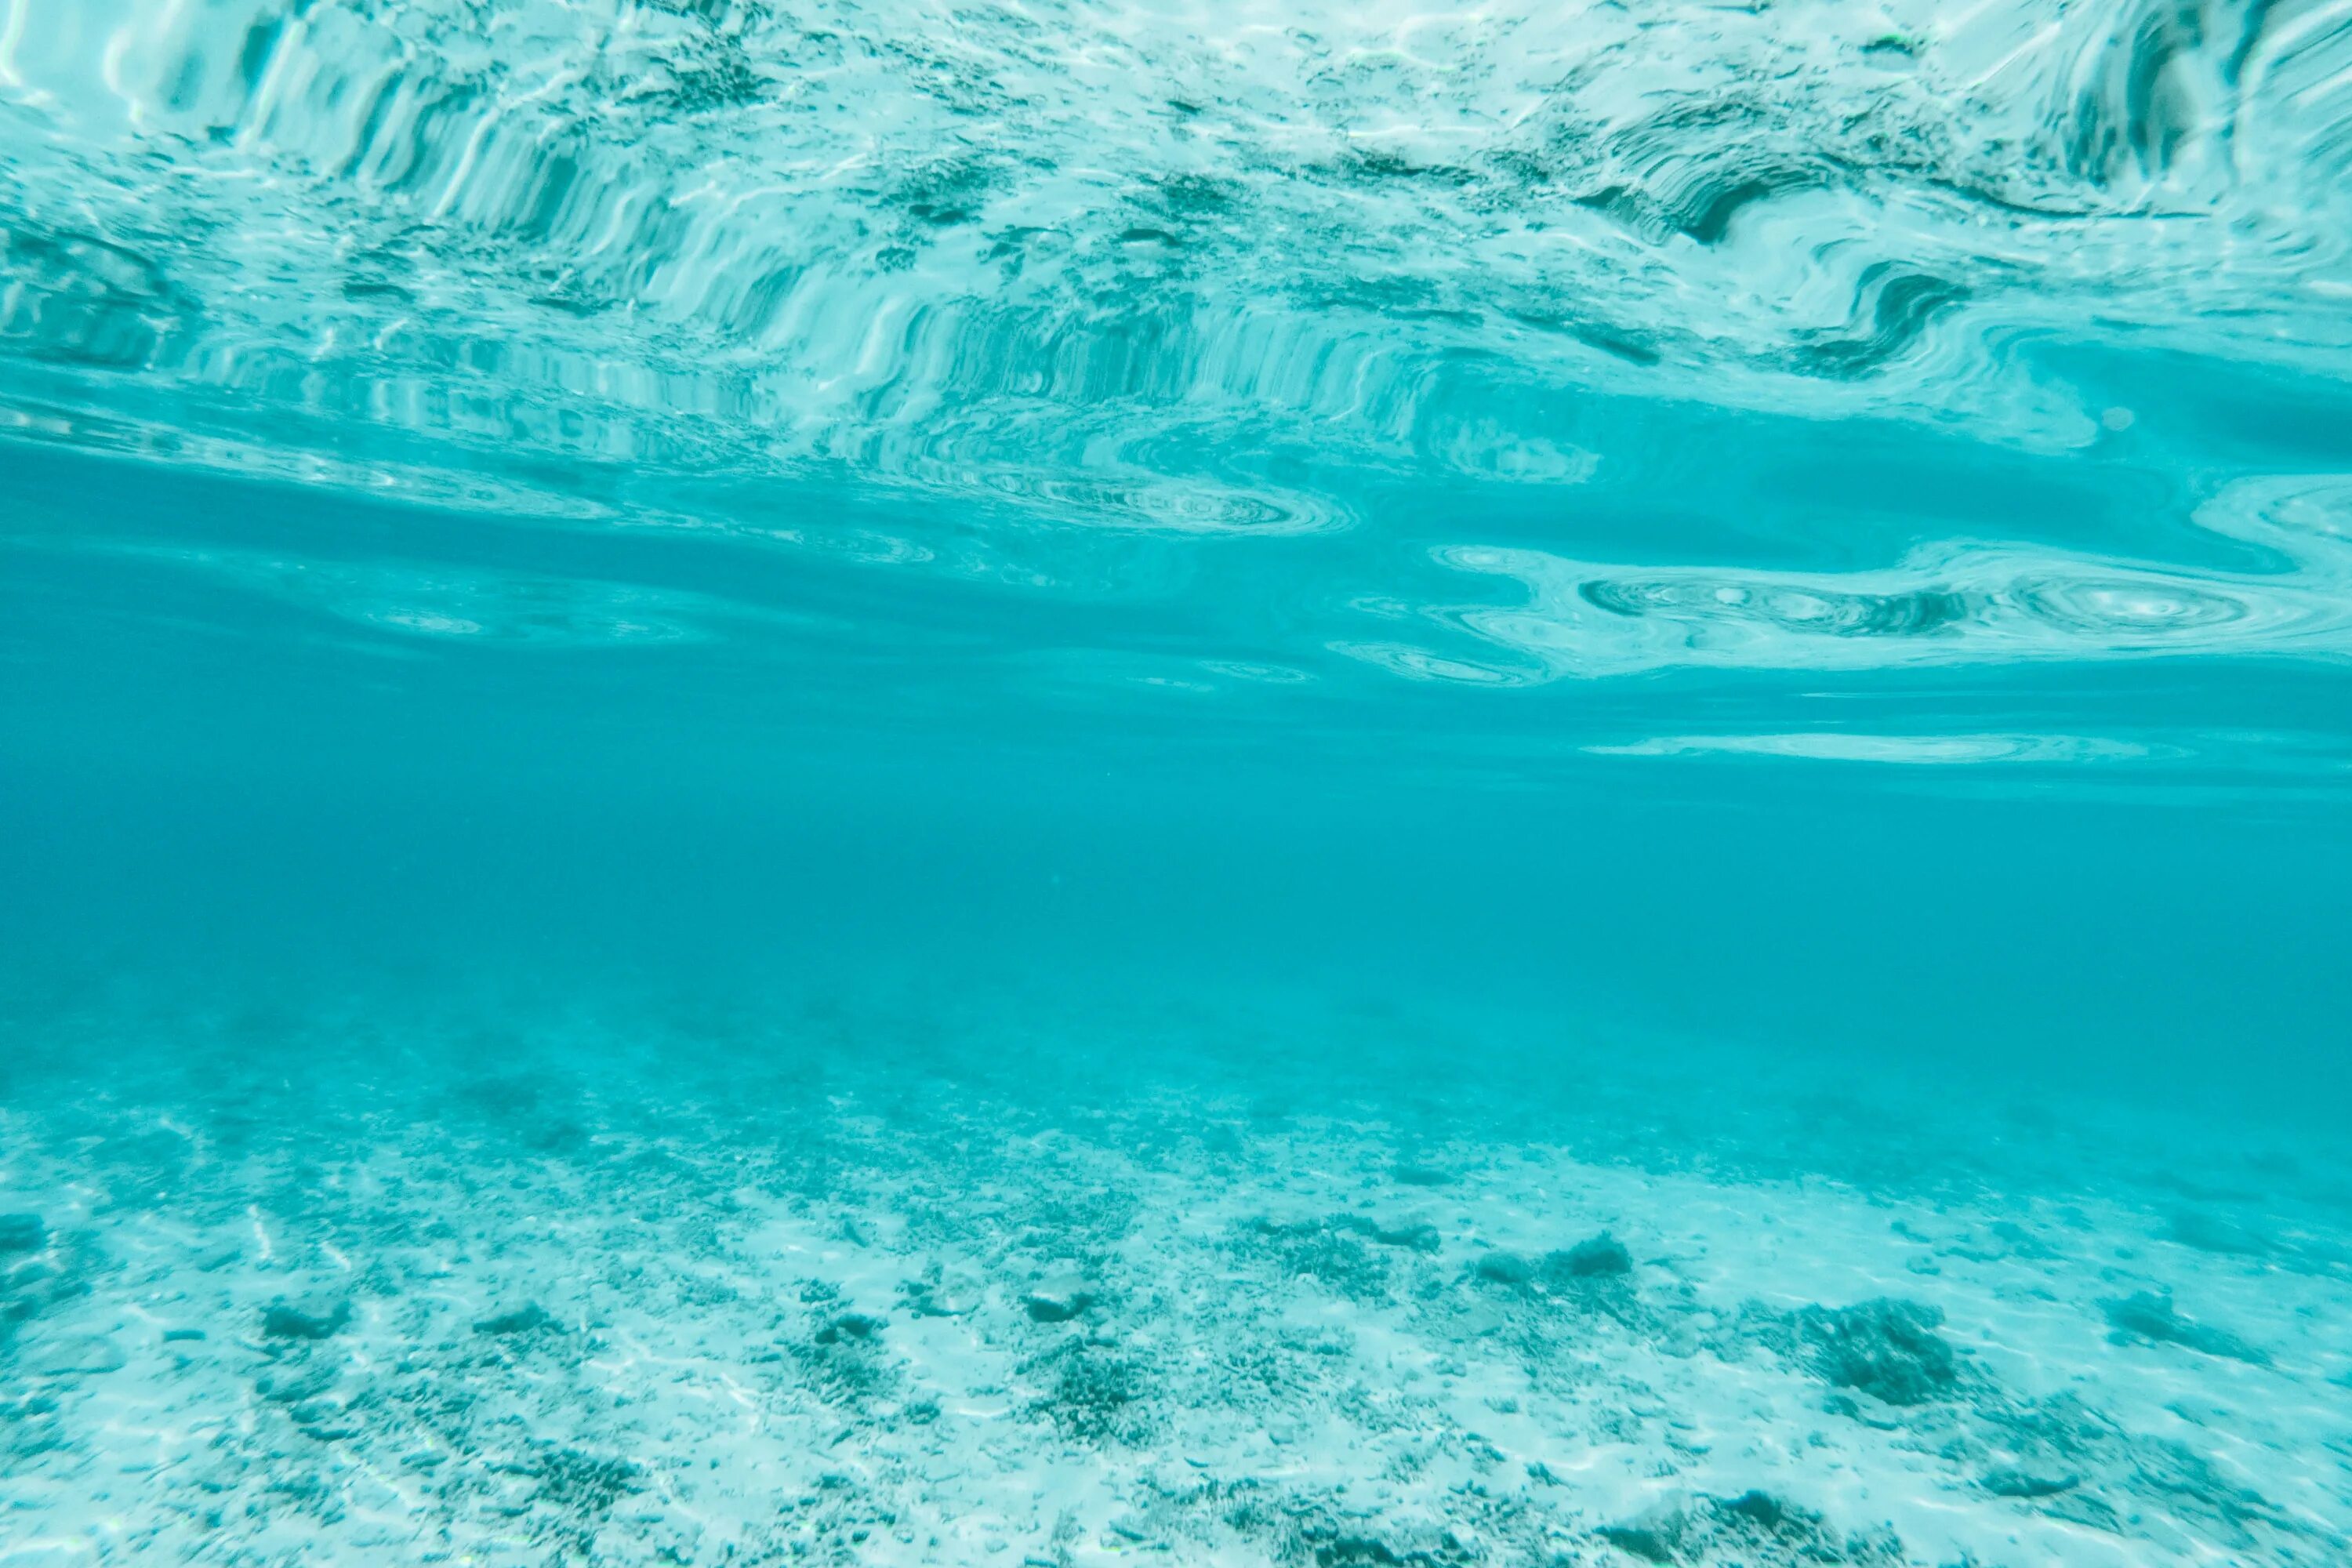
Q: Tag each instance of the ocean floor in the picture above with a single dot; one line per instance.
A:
(934, 1287)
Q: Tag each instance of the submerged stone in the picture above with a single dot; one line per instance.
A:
(2150, 1316)
(1504, 1267)
(1058, 1298)
(1887, 1348)
(523, 1320)
(323, 1418)
(1759, 1530)
(584, 1483)
(1413, 1235)
(942, 1303)
(940, 1295)
(2018, 1481)
(1656, 1537)
(22, 1232)
(1602, 1257)
(1094, 1394)
(1752, 1528)
(851, 1328)
(313, 1322)
(1417, 1236)
(2212, 1233)
(298, 1380)
(1757, 1508)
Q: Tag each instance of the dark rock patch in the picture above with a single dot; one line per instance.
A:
(1312, 1534)
(1501, 1268)
(1413, 1236)
(1602, 1257)
(1335, 1255)
(2151, 1317)
(850, 1328)
(581, 1482)
(1754, 1528)
(1655, 1542)
(937, 1295)
(2025, 1482)
(328, 1420)
(313, 1322)
(2066, 1459)
(844, 1366)
(1093, 1393)
(1057, 1299)
(1757, 1508)
(1887, 1348)
(528, 1317)
(2212, 1232)
(298, 1379)
(2019, 1241)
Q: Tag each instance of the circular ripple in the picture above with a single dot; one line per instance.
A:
(1160, 503)
(2126, 608)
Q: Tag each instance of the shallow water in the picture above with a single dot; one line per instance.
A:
(1326, 785)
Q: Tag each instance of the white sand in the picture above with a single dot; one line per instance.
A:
(810, 1330)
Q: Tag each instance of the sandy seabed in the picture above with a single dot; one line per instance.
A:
(707, 1293)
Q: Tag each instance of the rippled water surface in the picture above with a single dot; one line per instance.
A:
(1536, 784)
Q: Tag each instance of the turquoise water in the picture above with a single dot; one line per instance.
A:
(1328, 785)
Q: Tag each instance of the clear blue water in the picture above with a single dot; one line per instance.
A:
(835, 785)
